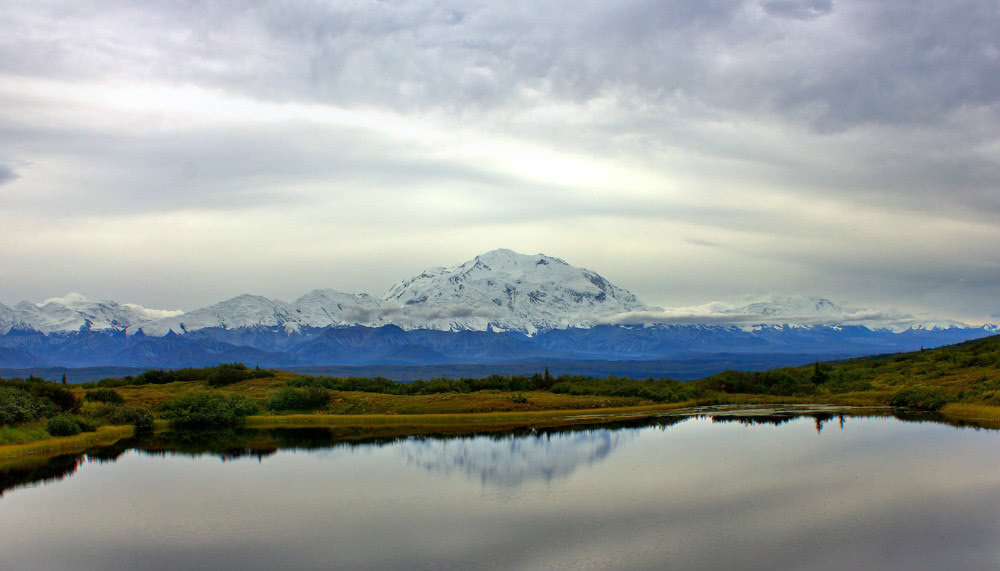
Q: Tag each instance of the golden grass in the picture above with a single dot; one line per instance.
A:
(986, 416)
(24, 433)
(357, 426)
(463, 403)
(360, 414)
(152, 396)
(104, 436)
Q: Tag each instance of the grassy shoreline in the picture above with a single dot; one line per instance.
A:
(357, 426)
(965, 378)
(103, 436)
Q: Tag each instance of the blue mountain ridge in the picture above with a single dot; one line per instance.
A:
(347, 346)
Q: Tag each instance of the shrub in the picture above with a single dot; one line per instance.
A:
(17, 407)
(228, 374)
(309, 398)
(217, 376)
(920, 399)
(140, 418)
(206, 408)
(62, 398)
(85, 424)
(111, 382)
(109, 396)
(45, 393)
(62, 425)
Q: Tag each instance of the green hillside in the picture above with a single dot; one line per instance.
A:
(968, 372)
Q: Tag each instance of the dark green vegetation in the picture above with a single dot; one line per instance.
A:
(138, 417)
(961, 380)
(33, 408)
(930, 399)
(655, 390)
(68, 425)
(217, 376)
(309, 398)
(23, 401)
(927, 380)
(108, 396)
(202, 408)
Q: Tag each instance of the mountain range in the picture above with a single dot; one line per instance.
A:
(499, 307)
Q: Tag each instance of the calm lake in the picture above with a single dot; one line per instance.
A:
(689, 492)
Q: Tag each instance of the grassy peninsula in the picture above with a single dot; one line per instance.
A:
(960, 382)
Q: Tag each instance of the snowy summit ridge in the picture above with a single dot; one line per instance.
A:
(505, 290)
(75, 312)
(500, 290)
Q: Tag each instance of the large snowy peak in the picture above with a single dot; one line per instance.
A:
(503, 289)
(500, 290)
(74, 312)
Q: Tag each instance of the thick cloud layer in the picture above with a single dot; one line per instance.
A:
(179, 153)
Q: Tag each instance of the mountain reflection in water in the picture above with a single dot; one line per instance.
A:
(506, 459)
(512, 460)
(716, 489)
(502, 459)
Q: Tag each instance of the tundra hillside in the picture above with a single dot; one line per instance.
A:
(961, 382)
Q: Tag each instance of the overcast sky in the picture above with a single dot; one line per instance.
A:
(175, 154)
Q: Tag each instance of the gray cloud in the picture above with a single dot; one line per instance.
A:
(700, 242)
(825, 144)
(870, 318)
(399, 313)
(7, 174)
(798, 9)
(918, 61)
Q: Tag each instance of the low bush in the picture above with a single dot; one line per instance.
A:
(235, 372)
(659, 390)
(62, 425)
(230, 373)
(309, 398)
(109, 396)
(920, 399)
(18, 407)
(208, 408)
(44, 392)
(140, 418)
(85, 424)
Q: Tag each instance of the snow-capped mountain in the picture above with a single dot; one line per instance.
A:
(790, 306)
(318, 308)
(505, 290)
(74, 312)
(7, 319)
(498, 307)
(806, 311)
(499, 290)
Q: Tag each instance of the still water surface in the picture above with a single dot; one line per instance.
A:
(680, 493)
